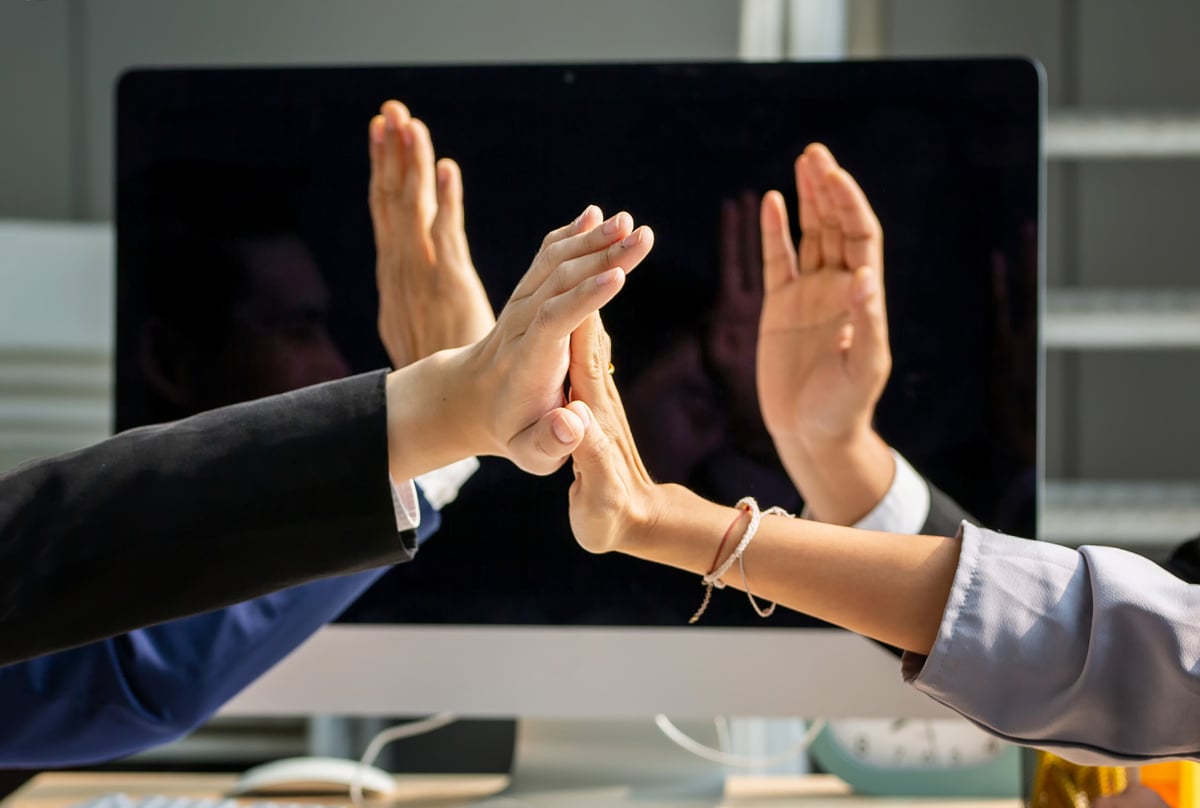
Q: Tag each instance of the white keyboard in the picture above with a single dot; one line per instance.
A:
(160, 801)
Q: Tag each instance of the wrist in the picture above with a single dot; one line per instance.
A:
(841, 479)
(433, 414)
(822, 447)
(678, 528)
(647, 515)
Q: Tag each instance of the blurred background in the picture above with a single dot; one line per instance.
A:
(1121, 319)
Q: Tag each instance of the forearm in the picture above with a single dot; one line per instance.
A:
(431, 422)
(163, 522)
(891, 588)
(840, 480)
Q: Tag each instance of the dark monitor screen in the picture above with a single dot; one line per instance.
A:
(215, 166)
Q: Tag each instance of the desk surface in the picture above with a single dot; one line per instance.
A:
(65, 789)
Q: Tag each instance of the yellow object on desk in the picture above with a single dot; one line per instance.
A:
(1176, 781)
(1059, 783)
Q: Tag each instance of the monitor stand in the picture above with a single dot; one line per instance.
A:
(620, 760)
(468, 746)
(629, 759)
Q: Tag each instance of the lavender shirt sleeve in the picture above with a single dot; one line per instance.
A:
(1091, 653)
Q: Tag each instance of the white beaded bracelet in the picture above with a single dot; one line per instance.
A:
(751, 505)
(713, 579)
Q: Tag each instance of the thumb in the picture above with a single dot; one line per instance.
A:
(869, 355)
(592, 454)
(542, 447)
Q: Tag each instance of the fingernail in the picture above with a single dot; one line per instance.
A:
(563, 432)
(378, 124)
(609, 277)
(613, 225)
(406, 135)
(633, 239)
(389, 122)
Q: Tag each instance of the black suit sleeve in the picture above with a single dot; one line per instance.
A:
(167, 521)
(944, 514)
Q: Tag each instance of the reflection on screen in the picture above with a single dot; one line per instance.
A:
(245, 267)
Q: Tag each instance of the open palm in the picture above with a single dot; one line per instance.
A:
(430, 297)
(823, 356)
(579, 267)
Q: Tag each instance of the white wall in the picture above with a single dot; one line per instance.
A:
(36, 155)
(66, 55)
(56, 326)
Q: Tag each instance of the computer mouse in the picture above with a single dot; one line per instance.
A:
(313, 775)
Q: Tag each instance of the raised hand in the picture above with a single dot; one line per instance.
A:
(503, 395)
(823, 356)
(578, 269)
(732, 336)
(612, 493)
(430, 296)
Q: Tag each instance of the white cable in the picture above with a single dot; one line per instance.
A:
(384, 737)
(737, 761)
(724, 736)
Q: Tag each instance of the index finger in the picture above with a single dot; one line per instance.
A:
(862, 236)
(809, 217)
(575, 244)
(419, 178)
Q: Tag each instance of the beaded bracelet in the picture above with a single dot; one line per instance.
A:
(713, 578)
(708, 586)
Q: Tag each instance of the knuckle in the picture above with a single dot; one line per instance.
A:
(554, 253)
(384, 188)
(544, 317)
(612, 255)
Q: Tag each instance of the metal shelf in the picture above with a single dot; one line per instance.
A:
(1110, 135)
(1149, 517)
(1122, 319)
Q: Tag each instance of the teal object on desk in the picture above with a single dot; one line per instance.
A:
(919, 757)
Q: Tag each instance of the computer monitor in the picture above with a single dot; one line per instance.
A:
(502, 614)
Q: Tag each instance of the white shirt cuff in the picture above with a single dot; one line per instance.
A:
(905, 507)
(441, 486)
(404, 502)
